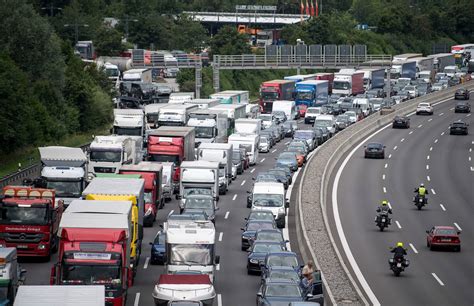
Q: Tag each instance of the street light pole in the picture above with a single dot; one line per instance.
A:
(76, 26)
(51, 9)
(127, 20)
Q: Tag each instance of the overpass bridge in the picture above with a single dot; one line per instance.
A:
(261, 18)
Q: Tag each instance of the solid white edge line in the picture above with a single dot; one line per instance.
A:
(413, 248)
(147, 261)
(243, 182)
(137, 299)
(219, 299)
(227, 215)
(234, 197)
(442, 207)
(402, 140)
(220, 236)
(437, 279)
(457, 226)
(398, 224)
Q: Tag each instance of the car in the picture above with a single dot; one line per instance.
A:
(412, 90)
(443, 236)
(274, 235)
(285, 259)
(398, 99)
(288, 158)
(300, 143)
(276, 130)
(257, 253)
(264, 145)
(288, 129)
(321, 134)
(424, 89)
(458, 128)
(437, 86)
(265, 177)
(462, 94)
(376, 92)
(424, 108)
(280, 116)
(200, 203)
(462, 107)
(286, 170)
(238, 162)
(248, 232)
(260, 215)
(195, 216)
(279, 292)
(158, 249)
(281, 176)
(269, 135)
(352, 116)
(283, 272)
(311, 113)
(401, 122)
(300, 154)
(342, 121)
(308, 136)
(374, 150)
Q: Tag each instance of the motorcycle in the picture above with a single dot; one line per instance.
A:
(398, 265)
(420, 201)
(382, 221)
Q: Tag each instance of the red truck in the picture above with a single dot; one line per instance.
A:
(152, 173)
(94, 249)
(172, 144)
(275, 90)
(29, 220)
(328, 76)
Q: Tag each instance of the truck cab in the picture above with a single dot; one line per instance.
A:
(270, 196)
(210, 125)
(199, 177)
(221, 153)
(12, 275)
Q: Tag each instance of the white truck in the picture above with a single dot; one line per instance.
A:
(199, 177)
(151, 114)
(11, 277)
(210, 125)
(175, 114)
(180, 97)
(234, 112)
(247, 141)
(191, 246)
(231, 96)
(167, 182)
(270, 196)
(138, 75)
(203, 103)
(248, 126)
(108, 153)
(221, 153)
(288, 107)
(64, 169)
(130, 122)
(90, 295)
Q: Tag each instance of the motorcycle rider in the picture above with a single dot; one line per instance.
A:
(383, 209)
(421, 192)
(399, 251)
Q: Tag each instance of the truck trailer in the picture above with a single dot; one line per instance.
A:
(211, 125)
(348, 84)
(12, 275)
(71, 295)
(138, 75)
(221, 153)
(275, 90)
(311, 93)
(373, 78)
(175, 114)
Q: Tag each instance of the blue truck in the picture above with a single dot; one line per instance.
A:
(311, 93)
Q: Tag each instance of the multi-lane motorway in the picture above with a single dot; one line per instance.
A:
(445, 164)
(233, 285)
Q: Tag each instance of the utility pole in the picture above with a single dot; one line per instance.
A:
(51, 9)
(127, 20)
(76, 26)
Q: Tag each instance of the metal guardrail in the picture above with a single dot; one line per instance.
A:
(250, 61)
(31, 171)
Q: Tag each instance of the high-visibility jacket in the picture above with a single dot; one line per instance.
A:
(422, 191)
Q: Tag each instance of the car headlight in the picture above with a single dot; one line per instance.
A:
(254, 261)
(245, 238)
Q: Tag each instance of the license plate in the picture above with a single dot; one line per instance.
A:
(383, 220)
(399, 265)
(446, 240)
(21, 246)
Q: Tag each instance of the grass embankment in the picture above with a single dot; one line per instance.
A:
(30, 155)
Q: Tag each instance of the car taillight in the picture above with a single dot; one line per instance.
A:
(176, 174)
(456, 240)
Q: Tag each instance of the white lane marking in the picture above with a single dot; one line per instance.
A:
(147, 261)
(243, 182)
(274, 151)
(431, 148)
(171, 212)
(411, 132)
(432, 191)
(389, 205)
(436, 140)
(457, 226)
(220, 236)
(386, 165)
(384, 190)
(427, 157)
(420, 125)
(287, 143)
(441, 114)
(262, 160)
(428, 178)
(452, 108)
(218, 267)
(469, 158)
(427, 167)
(227, 215)
(234, 197)
(219, 300)
(398, 224)
(468, 115)
(442, 207)
(402, 140)
(137, 299)
(383, 176)
(251, 171)
(437, 279)
(470, 150)
(395, 147)
(390, 156)
(442, 134)
(413, 248)
(472, 168)
(429, 120)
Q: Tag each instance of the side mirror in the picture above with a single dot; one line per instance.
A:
(259, 294)
(249, 192)
(459, 232)
(217, 259)
(287, 204)
(161, 226)
(242, 229)
(253, 179)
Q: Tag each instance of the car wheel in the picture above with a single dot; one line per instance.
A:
(427, 243)
(458, 249)
(431, 247)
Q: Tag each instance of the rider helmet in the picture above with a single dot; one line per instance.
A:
(422, 185)
(400, 244)
(384, 202)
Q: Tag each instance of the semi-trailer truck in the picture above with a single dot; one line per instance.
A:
(328, 76)
(30, 220)
(442, 60)
(311, 93)
(233, 111)
(348, 83)
(129, 122)
(231, 96)
(405, 69)
(373, 78)
(175, 114)
(12, 276)
(71, 295)
(210, 125)
(275, 90)
(107, 153)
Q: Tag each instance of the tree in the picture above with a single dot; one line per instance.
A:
(108, 41)
(229, 41)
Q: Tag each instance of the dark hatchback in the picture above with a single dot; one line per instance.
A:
(374, 150)
(458, 128)
(462, 94)
(248, 234)
(280, 259)
(158, 249)
(462, 107)
(401, 122)
(279, 292)
(257, 253)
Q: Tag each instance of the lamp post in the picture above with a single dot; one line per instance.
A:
(76, 26)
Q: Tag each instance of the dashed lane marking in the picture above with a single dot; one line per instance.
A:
(218, 267)
(147, 261)
(274, 151)
(137, 299)
(220, 236)
(411, 132)
(452, 108)
(436, 140)
(432, 191)
(441, 114)
(413, 248)
(398, 224)
(171, 212)
(219, 300)
(428, 178)
(243, 182)
(251, 171)
(442, 207)
(457, 226)
(227, 215)
(442, 133)
(420, 125)
(234, 197)
(395, 147)
(384, 190)
(429, 120)
(427, 167)
(383, 176)
(389, 205)
(437, 279)
(431, 148)
(262, 160)
(468, 115)
(390, 156)
(402, 140)
(428, 157)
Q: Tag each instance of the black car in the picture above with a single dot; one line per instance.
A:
(265, 215)
(285, 169)
(462, 107)
(462, 94)
(458, 128)
(279, 292)
(273, 235)
(257, 253)
(248, 234)
(401, 122)
(374, 150)
(158, 249)
(322, 134)
(281, 176)
(288, 128)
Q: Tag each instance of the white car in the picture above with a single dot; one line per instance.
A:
(352, 116)
(412, 91)
(424, 108)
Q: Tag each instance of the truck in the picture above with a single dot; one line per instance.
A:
(199, 177)
(349, 84)
(129, 122)
(311, 93)
(300, 77)
(401, 58)
(191, 246)
(328, 76)
(12, 275)
(72, 295)
(152, 173)
(86, 50)
(95, 249)
(275, 90)
(210, 125)
(405, 69)
(248, 126)
(247, 141)
(288, 107)
(122, 63)
(64, 169)
(123, 189)
(423, 63)
(221, 153)
(231, 96)
(138, 75)
(195, 288)
(203, 103)
(175, 114)
(172, 144)
(442, 60)
(167, 185)
(373, 78)
(107, 153)
(264, 38)
(30, 220)
(180, 97)
(233, 111)
(151, 114)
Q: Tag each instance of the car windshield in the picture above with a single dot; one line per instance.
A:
(255, 225)
(105, 156)
(266, 178)
(204, 131)
(27, 215)
(283, 261)
(268, 200)
(128, 131)
(313, 110)
(447, 232)
(269, 236)
(341, 85)
(290, 274)
(286, 156)
(196, 191)
(283, 290)
(190, 254)
(303, 135)
(263, 140)
(423, 105)
(350, 114)
(374, 146)
(199, 203)
(71, 189)
(266, 248)
(90, 274)
(342, 118)
(256, 215)
(458, 124)
(323, 123)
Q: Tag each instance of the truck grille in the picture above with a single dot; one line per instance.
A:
(23, 237)
(104, 170)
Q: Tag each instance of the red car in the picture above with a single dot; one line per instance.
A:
(443, 236)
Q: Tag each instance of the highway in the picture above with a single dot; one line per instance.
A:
(444, 163)
(233, 286)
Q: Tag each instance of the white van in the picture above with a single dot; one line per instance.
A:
(247, 141)
(288, 107)
(363, 104)
(326, 121)
(252, 110)
(270, 196)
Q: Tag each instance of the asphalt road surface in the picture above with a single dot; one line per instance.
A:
(444, 163)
